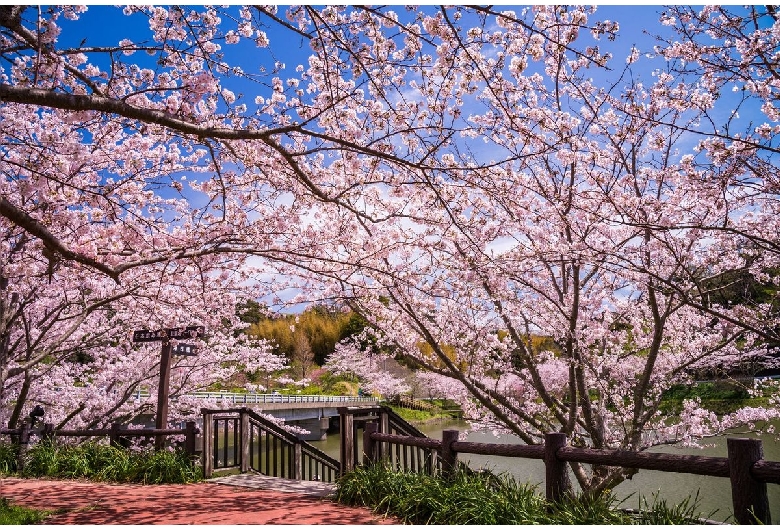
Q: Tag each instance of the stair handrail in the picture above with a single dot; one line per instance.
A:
(271, 427)
(291, 438)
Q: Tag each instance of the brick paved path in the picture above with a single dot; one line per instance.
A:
(206, 503)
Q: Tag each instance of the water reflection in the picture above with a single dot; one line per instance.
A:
(714, 492)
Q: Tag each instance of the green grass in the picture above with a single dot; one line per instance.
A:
(99, 462)
(720, 397)
(661, 513)
(485, 498)
(440, 410)
(8, 454)
(415, 416)
(18, 515)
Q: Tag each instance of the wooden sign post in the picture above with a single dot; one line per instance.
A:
(163, 390)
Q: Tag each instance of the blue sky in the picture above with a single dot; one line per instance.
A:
(103, 25)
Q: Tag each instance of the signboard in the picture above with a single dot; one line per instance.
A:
(165, 336)
(149, 336)
(189, 332)
(185, 349)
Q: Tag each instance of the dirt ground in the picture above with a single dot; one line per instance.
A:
(78, 503)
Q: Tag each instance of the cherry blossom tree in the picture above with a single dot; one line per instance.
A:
(368, 365)
(603, 226)
(135, 158)
(717, 93)
(468, 179)
(66, 337)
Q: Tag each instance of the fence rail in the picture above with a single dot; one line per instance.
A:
(116, 431)
(745, 466)
(696, 465)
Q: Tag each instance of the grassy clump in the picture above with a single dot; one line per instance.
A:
(104, 463)
(18, 515)
(8, 454)
(660, 513)
(484, 498)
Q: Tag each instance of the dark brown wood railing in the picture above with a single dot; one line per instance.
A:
(353, 421)
(117, 435)
(745, 466)
(241, 440)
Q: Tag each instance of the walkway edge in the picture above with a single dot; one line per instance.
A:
(258, 481)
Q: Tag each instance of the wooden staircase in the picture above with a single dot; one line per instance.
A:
(240, 440)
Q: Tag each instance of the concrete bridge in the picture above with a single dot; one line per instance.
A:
(310, 412)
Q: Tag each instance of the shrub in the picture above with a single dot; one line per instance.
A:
(42, 460)
(8, 454)
(485, 498)
(467, 498)
(165, 467)
(95, 461)
(344, 388)
(660, 513)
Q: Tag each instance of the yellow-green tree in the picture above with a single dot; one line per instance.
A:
(322, 327)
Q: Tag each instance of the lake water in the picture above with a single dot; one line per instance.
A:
(714, 492)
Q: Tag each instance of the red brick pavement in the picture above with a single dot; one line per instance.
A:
(94, 503)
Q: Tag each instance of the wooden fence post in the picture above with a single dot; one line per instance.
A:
(369, 446)
(449, 457)
(208, 444)
(244, 451)
(113, 438)
(383, 449)
(347, 421)
(555, 471)
(24, 440)
(298, 461)
(749, 496)
(189, 439)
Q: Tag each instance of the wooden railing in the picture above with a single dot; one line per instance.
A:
(745, 466)
(353, 421)
(241, 440)
(117, 435)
